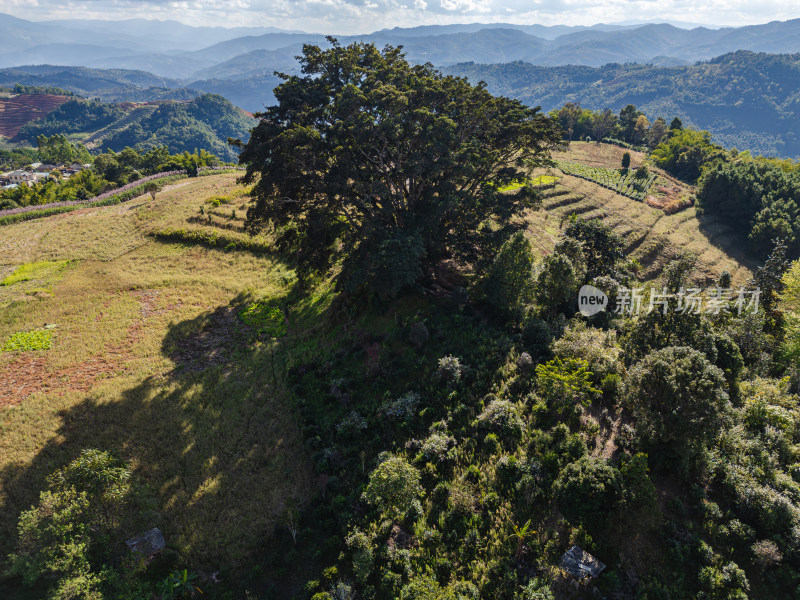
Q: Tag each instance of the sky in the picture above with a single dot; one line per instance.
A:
(361, 16)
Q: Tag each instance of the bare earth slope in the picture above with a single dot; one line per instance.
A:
(18, 110)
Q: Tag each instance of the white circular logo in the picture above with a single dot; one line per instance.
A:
(591, 300)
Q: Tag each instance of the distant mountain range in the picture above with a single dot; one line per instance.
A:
(205, 122)
(745, 99)
(178, 51)
(737, 97)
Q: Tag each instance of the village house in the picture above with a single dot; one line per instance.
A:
(20, 176)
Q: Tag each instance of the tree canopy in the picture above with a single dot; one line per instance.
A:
(389, 166)
(678, 397)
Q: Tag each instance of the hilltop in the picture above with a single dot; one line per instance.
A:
(435, 352)
(205, 122)
(146, 300)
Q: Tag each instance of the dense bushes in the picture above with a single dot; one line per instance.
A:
(757, 198)
(678, 398)
(61, 539)
(686, 152)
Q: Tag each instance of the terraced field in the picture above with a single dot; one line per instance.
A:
(134, 115)
(652, 237)
(17, 110)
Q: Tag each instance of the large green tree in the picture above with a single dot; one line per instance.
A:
(678, 398)
(389, 166)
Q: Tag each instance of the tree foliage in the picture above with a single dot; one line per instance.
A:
(396, 166)
(759, 199)
(588, 490)
(57, 536)
(678, 398)
(602, 248)
(393, 486)
(686, 152)
(509, 283)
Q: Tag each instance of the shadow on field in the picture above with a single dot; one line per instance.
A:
(724, 238)
(214, 443)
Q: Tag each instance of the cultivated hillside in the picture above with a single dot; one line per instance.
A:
(652, 236)
(18, 109)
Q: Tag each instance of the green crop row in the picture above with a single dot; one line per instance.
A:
(623, 182)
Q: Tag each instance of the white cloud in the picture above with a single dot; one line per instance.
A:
(361, 16)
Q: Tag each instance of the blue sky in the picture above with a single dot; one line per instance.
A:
(358, 16)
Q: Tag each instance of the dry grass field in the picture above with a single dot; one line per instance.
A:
(150, 359)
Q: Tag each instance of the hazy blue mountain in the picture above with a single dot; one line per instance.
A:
(171, 49)
(63, 53)
(271, 41)
(663, 44)
(497, 45)
(106, 84)
(748, 100)
(164, 35)
(547, 32)
(165, 65)
(254, 63)
(19, 34)
(251, 93)
(642, 44)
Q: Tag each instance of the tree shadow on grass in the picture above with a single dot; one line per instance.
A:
(214, 442)
(724, 238)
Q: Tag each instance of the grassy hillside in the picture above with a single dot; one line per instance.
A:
(149, 357)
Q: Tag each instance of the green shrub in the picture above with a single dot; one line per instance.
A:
(502, 418)
(450, 369)
(535, 589)
(58, 538)
(393, 486)
(509, 283)
(363, 559)
(597, 347)
(436, 447)
(726, 582)
(556, 283)
(588, 490)
(265, 319)
(566, 383)
(28, 341)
